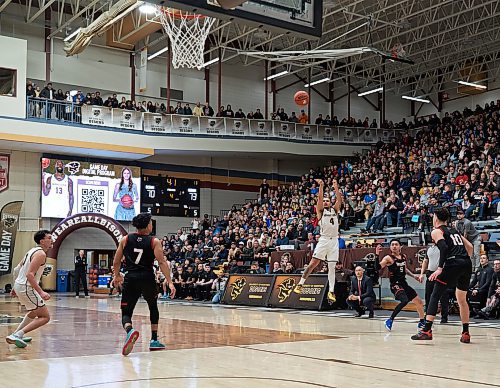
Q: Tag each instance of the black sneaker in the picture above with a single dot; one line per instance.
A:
(370, 315)
(444, 320)
(359, 314)
(422, 336)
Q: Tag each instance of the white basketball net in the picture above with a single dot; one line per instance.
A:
(187, 33)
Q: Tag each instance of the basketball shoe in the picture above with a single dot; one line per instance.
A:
(422, 336)
(18, 341)
(331, 297)
(156, 345)
(130, 339)
(465, 338)
(298, 289)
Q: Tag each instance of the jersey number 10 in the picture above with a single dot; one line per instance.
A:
(457, 240)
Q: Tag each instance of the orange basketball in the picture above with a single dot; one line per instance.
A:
(301, 98)
(45, 163)
(127, 201)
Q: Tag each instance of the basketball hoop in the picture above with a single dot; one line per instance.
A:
(187, 33)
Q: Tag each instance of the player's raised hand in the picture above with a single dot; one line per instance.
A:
(335, 185)
(320, 182)
(378, 249)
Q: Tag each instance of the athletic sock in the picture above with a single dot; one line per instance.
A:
(302, 281)
(154, 335)
(128, 329)
(428, 325)
(422, 320)
(465, 327)
(26, 320)
(19, 333)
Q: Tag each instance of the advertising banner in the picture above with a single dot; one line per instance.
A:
(261, 128)
(328, 134)
(97, 115)
(187, 125)
(236, 127)
(248, 290)
(284, 130)
(311, 297)
(306, 132)
(9, 219)
(4, 171)
(212, 126)
(348, 135)
(156, 123)
(127, 119)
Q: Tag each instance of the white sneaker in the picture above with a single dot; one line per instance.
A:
(497, 220)
(14, 339)
(87, 296)
(76, 296)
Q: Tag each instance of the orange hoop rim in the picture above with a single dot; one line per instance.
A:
(179, 14)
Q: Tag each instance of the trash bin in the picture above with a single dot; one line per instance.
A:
(62, 280)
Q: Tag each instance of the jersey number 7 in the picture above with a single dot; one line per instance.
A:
(139, 254)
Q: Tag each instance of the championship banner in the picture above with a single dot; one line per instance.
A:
(261, 128)
(9, 219)
(236, 127)
(328, 134)
(97, 115)
(4, 171)
(306, 132)
(283, 130)
(348, 135)
(212, 126)
(311, 297)
(156, 123)
(367, 135)
(127, 119)
(188, 125)
(248, 290)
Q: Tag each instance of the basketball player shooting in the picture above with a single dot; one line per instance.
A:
(59, 189)
(327, 248)
(140, 250)
(26, 287)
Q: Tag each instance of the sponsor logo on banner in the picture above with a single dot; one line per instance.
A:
(185, 124)
(212, 125)
(9, 220)
(253, 290)
(155, 123)
(311, 296)
(127, 119)
(285, 289)
(96, 115)
(236, 127)
(4, 171)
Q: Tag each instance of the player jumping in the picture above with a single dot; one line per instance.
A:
(328, 244)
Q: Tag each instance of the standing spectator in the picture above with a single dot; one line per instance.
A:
(293, 118)
(208, 110)
(49, 94)
(467, 229)
(98, 99)
(258, 115)
(264, 188)
(187, 110)
(198, 110)
(303, 118)
(221, 112)
(239, 114)
(319, 120)
(81, 273)
(179, 110)
(229, 111)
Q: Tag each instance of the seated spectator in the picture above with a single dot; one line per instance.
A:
(282, 239)
(218, 287)
(203, 284)
(377, 219)
(256, 269)
(289, 269)
(480, 284)
(276, 270)
(361, 295)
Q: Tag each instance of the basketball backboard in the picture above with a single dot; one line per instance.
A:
(301, 16)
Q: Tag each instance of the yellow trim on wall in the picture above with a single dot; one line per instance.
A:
(75, 143)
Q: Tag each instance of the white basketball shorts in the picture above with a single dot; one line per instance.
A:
(28, 297)
(327, 249)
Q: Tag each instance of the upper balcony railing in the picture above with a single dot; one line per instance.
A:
(173, 124)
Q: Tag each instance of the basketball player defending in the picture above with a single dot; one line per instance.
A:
(396, 263)
(140, 250)
(328, 244)
(30, 294)
(455, 269)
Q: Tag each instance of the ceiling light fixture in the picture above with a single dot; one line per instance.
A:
(273, 76)
(472, 84)
(370, 92)
(317, 82)
(416, 99)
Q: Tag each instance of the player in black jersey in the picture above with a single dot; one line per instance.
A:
(455, 269)
(140, 250)
(396, 264)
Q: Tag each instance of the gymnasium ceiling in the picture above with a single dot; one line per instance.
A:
(447, 39)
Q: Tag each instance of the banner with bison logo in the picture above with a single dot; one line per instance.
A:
(188, 125)
(307, 132)
(212, 126)
(248, 290)
(261, 128)
(157, 123)
(127, 119)
(96, 115)
(236, 127)
(284, 130)
(311, 296)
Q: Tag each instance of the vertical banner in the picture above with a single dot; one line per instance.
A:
(283, 130)
(212, 126)
(328, 134)
(96, 115)
(188, 125)
(127, 119)
(236, 127)
(156, 123)
(261, 128)
(9, 219)
(143, 70)
(306, 132)
(4, 171)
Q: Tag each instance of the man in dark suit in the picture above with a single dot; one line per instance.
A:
(361, 296)
(81, 273)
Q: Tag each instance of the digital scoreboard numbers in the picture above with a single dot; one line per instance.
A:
(168, 196)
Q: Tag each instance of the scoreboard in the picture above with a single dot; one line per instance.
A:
(168, 196)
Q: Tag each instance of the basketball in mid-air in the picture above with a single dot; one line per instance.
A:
(127, 201)
(301, 98)
(45, 163)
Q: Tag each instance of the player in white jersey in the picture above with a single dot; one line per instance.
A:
(27, 275)
(327, 248)
(58, 190)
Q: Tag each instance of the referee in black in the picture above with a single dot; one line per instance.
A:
(140, 250)
(81, 273)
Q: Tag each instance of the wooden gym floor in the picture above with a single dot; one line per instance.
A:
(224, 346)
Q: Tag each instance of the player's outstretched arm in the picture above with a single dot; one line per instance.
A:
(338, 196)
(319, 205)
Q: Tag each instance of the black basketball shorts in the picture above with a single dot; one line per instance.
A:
(456, 273)
(401, 288)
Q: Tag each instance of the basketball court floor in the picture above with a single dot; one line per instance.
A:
(227, 346)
